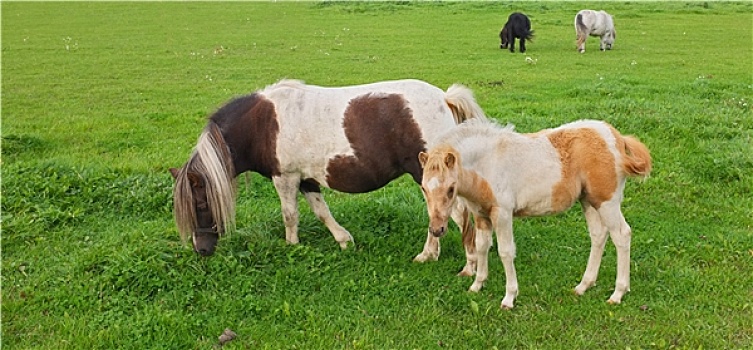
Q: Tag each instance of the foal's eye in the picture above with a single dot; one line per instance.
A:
(451, 192)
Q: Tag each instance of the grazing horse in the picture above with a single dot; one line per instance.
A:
(518, 26)
(594, 23)
(352, 139)
(502, 174)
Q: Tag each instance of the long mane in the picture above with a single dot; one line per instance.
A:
(211, 161)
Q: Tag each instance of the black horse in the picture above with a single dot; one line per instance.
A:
(518, 26)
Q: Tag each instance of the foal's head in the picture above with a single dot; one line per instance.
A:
(439, 184)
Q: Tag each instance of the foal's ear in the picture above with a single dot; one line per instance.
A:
(450, 160)
(422, 158)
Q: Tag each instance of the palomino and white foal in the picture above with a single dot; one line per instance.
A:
(594, 23)
(502, 174)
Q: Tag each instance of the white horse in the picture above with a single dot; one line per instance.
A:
(502, 174)
(594, 23)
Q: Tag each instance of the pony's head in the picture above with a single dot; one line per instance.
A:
(503, 38)
(609, 39)
(204, 193)
(439, 185)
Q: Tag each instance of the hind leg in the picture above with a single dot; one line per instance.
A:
(522, 45)
(581, 44)
(322, 212)
(287, 189)
(620, 232)
(598, 232)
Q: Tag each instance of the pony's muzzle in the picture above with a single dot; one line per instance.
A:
(205, 241)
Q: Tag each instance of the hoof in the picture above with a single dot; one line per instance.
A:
(507, 303)
(346, 244)
(475, 287)
(424, 257)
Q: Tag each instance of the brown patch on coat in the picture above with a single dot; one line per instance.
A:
(588, 168)
(385, 139)
(480, 192)
(249, 126)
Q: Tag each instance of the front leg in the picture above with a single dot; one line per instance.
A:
(287, 189)
(483, 243)
(462, 217)
(431, 249)
(506, 250)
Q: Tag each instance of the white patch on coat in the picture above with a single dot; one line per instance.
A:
(311, 117)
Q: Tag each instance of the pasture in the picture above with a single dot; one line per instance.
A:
(100, 99)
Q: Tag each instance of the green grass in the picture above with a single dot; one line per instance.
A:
(100, 99)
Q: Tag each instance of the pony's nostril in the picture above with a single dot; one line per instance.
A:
(204, 252)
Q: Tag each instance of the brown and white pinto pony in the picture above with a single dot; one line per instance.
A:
(352, 139)
(502, 174)
(594, 23)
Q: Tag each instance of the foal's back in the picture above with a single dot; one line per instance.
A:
(546, 172)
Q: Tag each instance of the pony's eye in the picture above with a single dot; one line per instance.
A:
(451, 192)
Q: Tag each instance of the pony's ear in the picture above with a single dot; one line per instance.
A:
(195, 180)
(422, 158)
(174, 172)
(450, 160)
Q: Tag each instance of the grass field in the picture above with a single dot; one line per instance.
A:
(99, 99)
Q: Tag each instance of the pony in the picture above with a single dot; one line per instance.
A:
(518, 26)
(594, 23)
(353, 139)
(501, 174)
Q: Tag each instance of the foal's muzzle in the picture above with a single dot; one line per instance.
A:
(438, 231)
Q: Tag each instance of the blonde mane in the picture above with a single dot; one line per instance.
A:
(210, 160)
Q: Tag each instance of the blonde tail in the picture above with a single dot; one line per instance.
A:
(636, 157)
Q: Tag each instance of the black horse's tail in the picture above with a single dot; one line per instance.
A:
(529, 35)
